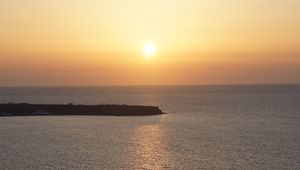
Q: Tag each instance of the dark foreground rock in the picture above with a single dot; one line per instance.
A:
(25, 109)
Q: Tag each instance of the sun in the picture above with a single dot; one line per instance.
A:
(149, 49)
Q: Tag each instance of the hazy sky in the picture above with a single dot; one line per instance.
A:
(100, 42)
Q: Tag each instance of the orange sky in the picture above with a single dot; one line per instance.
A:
(100, 42)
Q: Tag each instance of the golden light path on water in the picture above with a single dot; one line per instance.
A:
(151, 147)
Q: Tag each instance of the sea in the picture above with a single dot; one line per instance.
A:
(206, 127)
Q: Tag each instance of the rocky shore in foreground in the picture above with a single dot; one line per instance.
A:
(24, 109)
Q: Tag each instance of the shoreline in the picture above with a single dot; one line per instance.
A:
(25, 109)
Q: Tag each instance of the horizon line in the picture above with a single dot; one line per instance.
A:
(154, 85)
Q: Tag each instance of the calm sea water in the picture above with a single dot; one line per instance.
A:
(207, 127)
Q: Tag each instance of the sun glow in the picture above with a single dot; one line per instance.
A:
(149, 49)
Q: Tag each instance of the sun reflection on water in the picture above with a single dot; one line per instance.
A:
(151, 147)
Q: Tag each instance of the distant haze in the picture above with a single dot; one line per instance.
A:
(100, 42)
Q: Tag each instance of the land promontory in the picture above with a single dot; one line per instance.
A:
(25, 109)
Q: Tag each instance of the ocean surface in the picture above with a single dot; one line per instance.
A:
(207, 127)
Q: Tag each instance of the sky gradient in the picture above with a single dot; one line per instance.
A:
(100, 42)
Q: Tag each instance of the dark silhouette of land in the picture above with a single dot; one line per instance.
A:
(24, 109)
